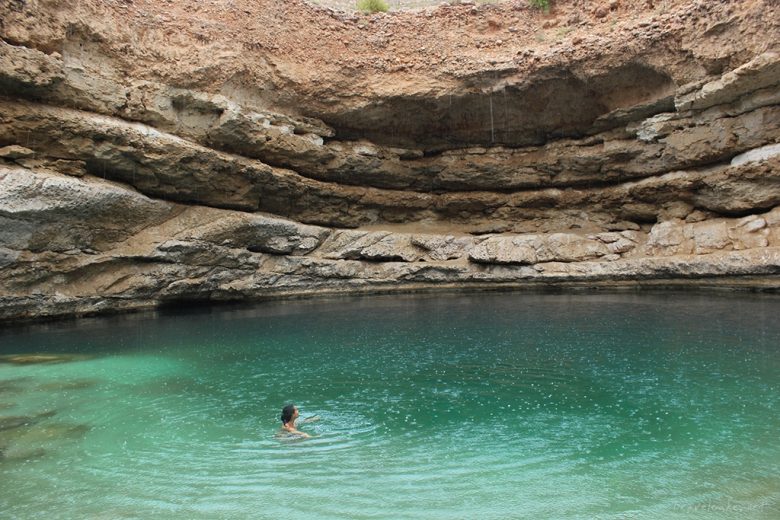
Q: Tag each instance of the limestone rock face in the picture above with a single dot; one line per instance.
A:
(51, 212)
(507, 250)
(360, 155)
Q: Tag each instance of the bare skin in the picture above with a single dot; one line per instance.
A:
(290, 428)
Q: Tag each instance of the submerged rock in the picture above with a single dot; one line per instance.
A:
(12, 386)
(53, 432)
(78, 384)
(35, 359)
(16, 452)
(27, 437)
(37, 440)
(10, 423)
(13, 422)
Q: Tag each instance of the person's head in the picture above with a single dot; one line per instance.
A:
(289, 413)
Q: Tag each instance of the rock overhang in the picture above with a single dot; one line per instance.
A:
(639, 151)
(511, 111)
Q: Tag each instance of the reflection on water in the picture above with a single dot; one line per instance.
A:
(489, 406)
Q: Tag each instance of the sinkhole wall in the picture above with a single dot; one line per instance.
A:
(236, 150)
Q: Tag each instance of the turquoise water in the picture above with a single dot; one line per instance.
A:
(489, 406)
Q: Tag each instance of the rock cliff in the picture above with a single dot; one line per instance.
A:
(158, 152)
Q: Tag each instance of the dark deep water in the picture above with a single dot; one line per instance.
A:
(490, 406)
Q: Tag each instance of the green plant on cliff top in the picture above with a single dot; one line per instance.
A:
(372, 6)
(542, 5)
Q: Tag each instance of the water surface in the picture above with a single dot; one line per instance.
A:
(487, 406)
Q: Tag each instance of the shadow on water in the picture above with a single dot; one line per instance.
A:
(71, 340)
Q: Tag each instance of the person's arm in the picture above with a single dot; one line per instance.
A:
(313, 418)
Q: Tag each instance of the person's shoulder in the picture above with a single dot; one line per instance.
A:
(284, 433)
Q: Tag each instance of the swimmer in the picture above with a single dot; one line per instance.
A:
(289, 415)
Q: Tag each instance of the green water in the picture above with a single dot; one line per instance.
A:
(481, 406)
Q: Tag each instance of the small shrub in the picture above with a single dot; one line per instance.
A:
(372, 6)
(542, 5)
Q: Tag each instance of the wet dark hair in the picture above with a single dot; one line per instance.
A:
(287, 413)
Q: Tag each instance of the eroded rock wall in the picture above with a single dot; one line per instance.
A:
(144, 163)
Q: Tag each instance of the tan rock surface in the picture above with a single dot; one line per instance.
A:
(163, 151)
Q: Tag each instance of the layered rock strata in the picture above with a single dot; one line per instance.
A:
(129, 183)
